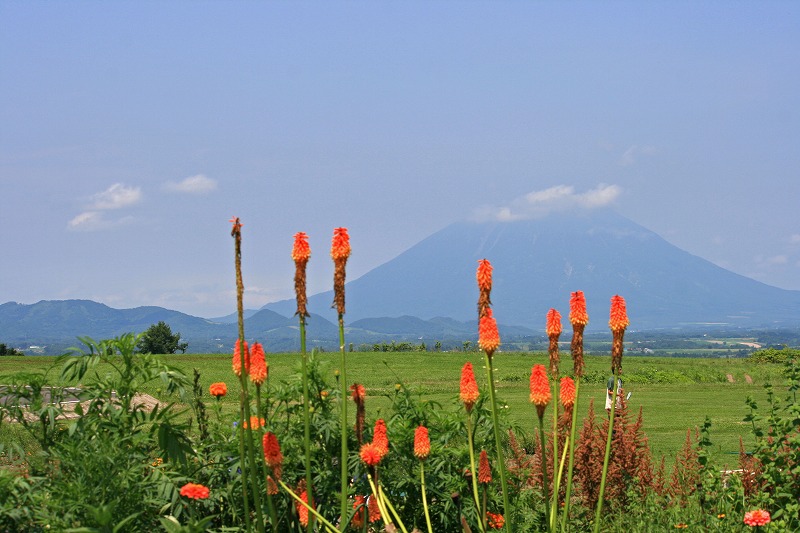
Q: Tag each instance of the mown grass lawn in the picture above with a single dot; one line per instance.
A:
(675, 394)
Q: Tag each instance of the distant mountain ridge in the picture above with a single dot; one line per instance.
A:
(538, 263)
(429, 292)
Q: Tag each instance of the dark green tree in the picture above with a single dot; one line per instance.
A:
(159, 339)
(8, 350)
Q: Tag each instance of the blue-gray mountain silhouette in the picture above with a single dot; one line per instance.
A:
(538, 263)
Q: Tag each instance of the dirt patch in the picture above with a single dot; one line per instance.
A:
(730, 378)
(145, 400)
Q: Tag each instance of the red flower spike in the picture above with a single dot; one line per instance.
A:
(272, 449)
(237, 359)
(488, 336)
(302, 510)
(484, 470)
(567, 392)
(618, 319)
(218, 390)
(495, 521)
(379, 437)
(359, 392)
(360, 508)
(577, 309)
(757, 517)
(422, 443)
(195, 491)
(469, 387)
(540, 388)
(484, 275)
(340, 245)
(258, 364)
(301, 251)
(553, 323)
(373, 509)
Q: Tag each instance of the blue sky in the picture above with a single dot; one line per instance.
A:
(131, 132)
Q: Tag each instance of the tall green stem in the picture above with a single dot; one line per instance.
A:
(343, 401)
(306, 420)
(424, 498)
(568, 494)
(610, 436)
(472, 470)
(556, 474)
(509, 515)
(273, 517)
(543, 460)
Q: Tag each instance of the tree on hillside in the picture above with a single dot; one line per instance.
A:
(8, 350)
(159, 339)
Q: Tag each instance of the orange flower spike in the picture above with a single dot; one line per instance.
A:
(469, 387)
(301, 251)
(567, 392)
(340, 245)
(379, 437)
(488, 336)
(484, 470)
(272, 449)
(484, 275)
(302, 510)
(540, 389)
(360, 508)
(553, 328)
(370, 454)
(359, 392)
(237, 359)
(373, 509)
(195, 491)
(577, 309)
(757, 517)
(258, 364)
(618, 319)
(218, 390)
(422, 443)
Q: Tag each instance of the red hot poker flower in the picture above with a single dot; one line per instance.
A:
(302, 510)
(359, 392)
(484, 470)
(488, 336)
(540, 389)
(577, 309)
(272, 449)
(495, 521)
(469, 387)
(370, 454)
(422, 443)
(618, 319)
(258, 364)
(237, 359)
(340, 245)
(218, 390)
(484, 275)
(379, 437)
(553, 328)
(301, 251)
(374, 509)
(567, 392)
(360, 508)
(195, 491)
(757, 517)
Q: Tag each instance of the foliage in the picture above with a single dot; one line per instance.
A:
(775, 355)
(159, 339)
(8, 350)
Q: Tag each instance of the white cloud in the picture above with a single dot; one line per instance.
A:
(772, 260)
(95, 221)
(116, 197)
(537, 204)
(630, 156)
(794, 239)
(198, 184)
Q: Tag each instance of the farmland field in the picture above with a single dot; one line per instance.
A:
(675, 394)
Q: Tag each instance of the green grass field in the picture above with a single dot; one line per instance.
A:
(675, 394)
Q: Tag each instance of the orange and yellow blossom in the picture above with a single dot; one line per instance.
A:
(340, 245)
(567, 392)
(618, 317)
(360, 508)
(469, 387)
(540, 389)
(488, 336)
(577, 309)
(258, 364)
(218, 390)
(254, 423)
(380, 438)
(495, 521)
(484, 275)
(422, 443)
(302, 510)
(553, 328)
(236, 362)
(301, 251)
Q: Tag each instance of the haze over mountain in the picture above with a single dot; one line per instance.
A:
(539, 262)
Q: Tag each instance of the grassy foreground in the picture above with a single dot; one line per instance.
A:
(675, 394)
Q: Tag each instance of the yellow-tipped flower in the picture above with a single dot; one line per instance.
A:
(618, 317)
(540, 389)
(469, 387)
(553, 328)
(488, 336)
